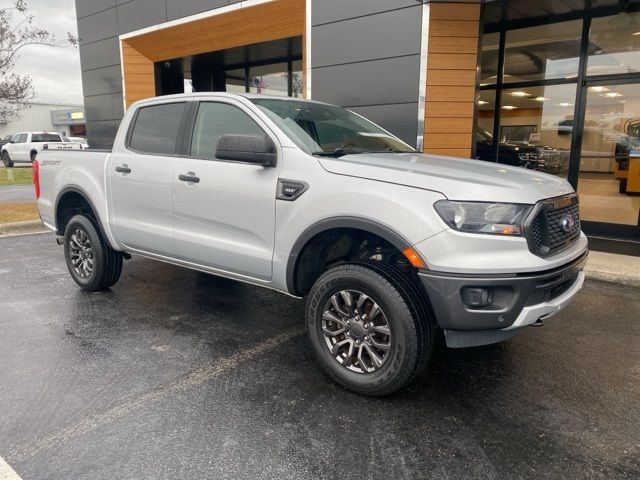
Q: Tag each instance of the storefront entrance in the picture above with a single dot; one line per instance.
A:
(270, 68)
(562, 95)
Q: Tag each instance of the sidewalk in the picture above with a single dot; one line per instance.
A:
(21, 228)
(609, 267)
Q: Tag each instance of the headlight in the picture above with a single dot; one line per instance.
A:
(481, 217)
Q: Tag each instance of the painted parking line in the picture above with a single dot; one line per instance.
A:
(193, 379)
(6, 472)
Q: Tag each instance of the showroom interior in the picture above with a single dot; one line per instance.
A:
(568, 86)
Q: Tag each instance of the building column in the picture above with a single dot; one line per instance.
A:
(452, 57)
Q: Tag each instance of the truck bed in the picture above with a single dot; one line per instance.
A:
(65, 171)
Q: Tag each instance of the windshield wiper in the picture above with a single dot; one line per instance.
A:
(337, 153)
(391, 150)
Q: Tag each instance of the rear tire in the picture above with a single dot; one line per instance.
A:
(33, 156)
(343, 333)
(6, 159)
(92, 263)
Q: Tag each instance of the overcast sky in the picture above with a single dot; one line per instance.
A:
(55, 71)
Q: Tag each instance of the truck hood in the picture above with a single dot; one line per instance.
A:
(455, 178)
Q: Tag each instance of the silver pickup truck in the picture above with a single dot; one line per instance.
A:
(392, 248)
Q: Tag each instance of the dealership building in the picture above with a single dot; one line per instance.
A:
(550, 85)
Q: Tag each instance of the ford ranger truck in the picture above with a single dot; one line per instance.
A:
(391, 248)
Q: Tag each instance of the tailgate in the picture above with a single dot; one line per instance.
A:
(62, 146)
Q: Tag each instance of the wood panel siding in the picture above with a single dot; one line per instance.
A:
(139, 76)
(268, 21)
(451, 78)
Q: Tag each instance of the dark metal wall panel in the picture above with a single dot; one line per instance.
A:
(102, 80)
(102, 132)
(100, 54)
(184, 8)
(139, 14)
(324, 11)
(390, 80)
(98, 26)
(383, 35)
(88, 7)
(104, 107)
(399, 119)
(365, 54)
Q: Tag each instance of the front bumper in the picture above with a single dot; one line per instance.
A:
(515, 301)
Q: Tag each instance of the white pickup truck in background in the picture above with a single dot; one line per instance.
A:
(24, 146)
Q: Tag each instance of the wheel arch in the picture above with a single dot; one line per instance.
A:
(327, 225)
(69, 196)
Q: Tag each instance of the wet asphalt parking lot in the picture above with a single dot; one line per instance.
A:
(176, 374)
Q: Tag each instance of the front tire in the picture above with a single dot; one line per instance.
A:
(92, 263)
(368, 329)
(6, 159)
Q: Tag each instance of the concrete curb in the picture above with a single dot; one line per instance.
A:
(20, 228)
(609, 267)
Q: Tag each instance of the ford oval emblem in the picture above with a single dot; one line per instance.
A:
(568, 223)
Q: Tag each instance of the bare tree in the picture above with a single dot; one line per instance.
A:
(18, 30)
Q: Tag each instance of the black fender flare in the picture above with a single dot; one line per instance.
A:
(83, 194)
(356, 223)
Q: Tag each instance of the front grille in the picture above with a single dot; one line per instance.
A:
(555, 225)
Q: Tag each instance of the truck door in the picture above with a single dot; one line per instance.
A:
(140, 179)
(19, 151)
(224, 211)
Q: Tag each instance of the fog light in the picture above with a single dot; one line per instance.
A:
(477, 297)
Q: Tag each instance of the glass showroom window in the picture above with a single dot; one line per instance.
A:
(272, 79)
(614, 45)
(542, 53)
(489, 59)
(235, 81)
(536, 125)
(609, 182)
(297, 79)
(486, 104)
(574, 112)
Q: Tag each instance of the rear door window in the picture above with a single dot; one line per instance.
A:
(155, 130)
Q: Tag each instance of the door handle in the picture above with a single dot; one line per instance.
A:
(123, 169)
(190, 177)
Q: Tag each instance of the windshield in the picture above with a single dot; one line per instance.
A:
(329, 130)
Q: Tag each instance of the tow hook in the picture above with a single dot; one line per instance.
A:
(538, 323)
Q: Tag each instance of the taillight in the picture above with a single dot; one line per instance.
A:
(36, 177)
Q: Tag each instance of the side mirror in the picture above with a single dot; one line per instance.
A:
(258, 149)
